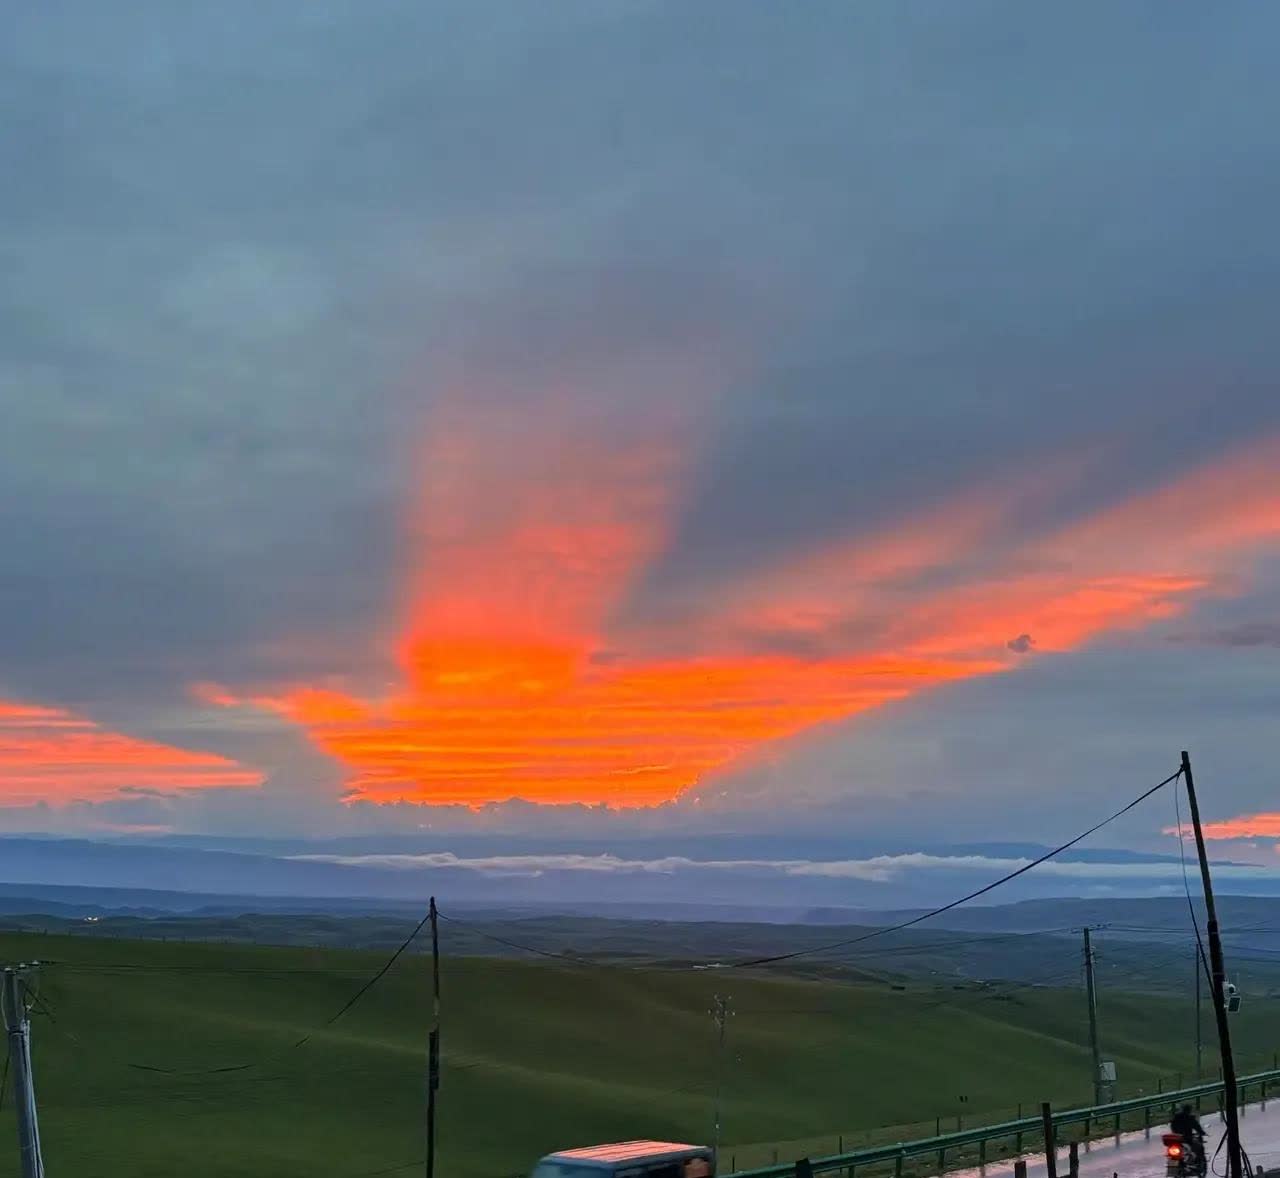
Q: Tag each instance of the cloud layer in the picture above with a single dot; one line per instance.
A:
(52, 753)
(876, 869)
(607, 405)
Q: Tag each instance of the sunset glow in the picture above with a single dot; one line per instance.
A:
(54, 756)
(1245, 827)
(518, 680)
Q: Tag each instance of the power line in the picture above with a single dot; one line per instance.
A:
(568, 958)
(963, 899)
(333, 1018)
(904, 950)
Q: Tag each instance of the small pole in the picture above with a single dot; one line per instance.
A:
(1092, 994)
(1230, 1112)
(1073, 1159)
(18, 1027)
(720, 1011)
(1199, 1024)
(1050, 1147)
(433, 1041)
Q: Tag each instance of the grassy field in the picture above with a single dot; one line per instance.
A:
(537, 1056)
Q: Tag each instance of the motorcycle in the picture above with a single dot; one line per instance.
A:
(1184, 1158)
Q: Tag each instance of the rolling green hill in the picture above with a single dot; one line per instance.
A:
(1150, 961)
(537, 1056)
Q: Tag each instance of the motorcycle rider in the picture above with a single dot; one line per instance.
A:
(1187, 1125)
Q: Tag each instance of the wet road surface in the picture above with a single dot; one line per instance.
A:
(1139, 1155)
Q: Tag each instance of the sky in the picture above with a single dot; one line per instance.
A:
(598, 419)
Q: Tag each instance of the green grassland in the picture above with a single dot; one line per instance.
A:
(537, 1056)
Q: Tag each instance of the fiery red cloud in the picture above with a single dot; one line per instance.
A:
(55, 756)
(515, 680)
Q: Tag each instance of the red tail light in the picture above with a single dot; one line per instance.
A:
(1174, 1151)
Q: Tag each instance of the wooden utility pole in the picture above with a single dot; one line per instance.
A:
(433, 1041)
(1231, 1094)
(18, 1034)
(1091, 990)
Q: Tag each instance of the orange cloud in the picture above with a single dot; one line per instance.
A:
(631, 736)
(55, 756)
(516, 681)
(1265, 825)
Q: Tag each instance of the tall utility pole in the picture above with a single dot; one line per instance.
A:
(1231, 1095)
(1092, 992)
(720, 1011)
(433, 1041)
(18, 1033)
(1199, 1026)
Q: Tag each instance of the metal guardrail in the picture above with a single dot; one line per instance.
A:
(899, 1151)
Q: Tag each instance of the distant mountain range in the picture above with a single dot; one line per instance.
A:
(694, 879)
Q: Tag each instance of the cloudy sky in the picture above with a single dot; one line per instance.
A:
(726, 417)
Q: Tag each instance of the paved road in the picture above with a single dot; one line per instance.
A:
(1137, 1156)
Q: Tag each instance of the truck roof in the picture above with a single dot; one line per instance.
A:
(629, 1151)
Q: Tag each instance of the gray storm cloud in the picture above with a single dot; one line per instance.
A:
(246, 248)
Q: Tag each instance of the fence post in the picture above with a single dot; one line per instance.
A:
(1050, 1147)
(1073, 1160)
(942, 1160)
(1117, 1124)
(1020, 1168)
(897, 1165)
(982, 1152)
(1146, 1118)
(803, 1168)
